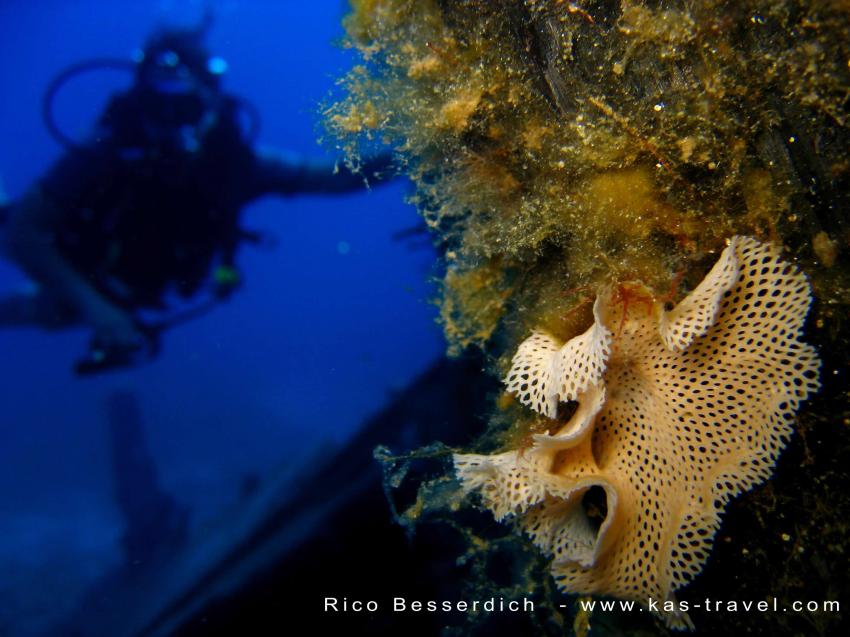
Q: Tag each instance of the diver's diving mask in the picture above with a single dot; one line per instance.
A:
(168, 74)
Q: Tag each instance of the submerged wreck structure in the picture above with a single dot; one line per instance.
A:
(642, 207)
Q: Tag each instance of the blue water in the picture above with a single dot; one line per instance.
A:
(329, 324)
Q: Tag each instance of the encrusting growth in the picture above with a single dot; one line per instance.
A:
(560, 147)
(678, 411)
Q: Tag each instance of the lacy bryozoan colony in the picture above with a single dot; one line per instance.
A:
(678, 411)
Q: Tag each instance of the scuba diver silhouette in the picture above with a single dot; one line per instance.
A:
(150, 202)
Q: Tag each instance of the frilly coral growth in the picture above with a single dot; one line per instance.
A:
(678, 411)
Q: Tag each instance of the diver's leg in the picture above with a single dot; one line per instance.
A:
(36, 309)
(154, 522)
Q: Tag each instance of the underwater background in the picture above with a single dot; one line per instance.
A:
(331, 321)
(308, 438)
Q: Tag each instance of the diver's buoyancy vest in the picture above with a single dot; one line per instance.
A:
(141, 219)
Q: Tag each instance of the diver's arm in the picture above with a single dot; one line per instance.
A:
(284, 174)
(33, 227)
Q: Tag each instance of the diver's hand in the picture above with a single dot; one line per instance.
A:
(115, 330)
(118, 341)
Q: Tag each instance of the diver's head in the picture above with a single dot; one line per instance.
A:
(179, 81)
(176, 61)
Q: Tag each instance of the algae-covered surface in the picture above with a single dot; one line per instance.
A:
(557, 147)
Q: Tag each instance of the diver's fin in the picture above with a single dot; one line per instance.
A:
(5, 204)
(154, 521)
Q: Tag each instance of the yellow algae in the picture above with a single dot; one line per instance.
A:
(686, 148)
(428, 65)
(764, 200)
(369, 17)
(825, 248)
(627, 202)
(456, 112)
(472, 306)
(357, 118)
(533, 135)
(669, 27)
(505, 400)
